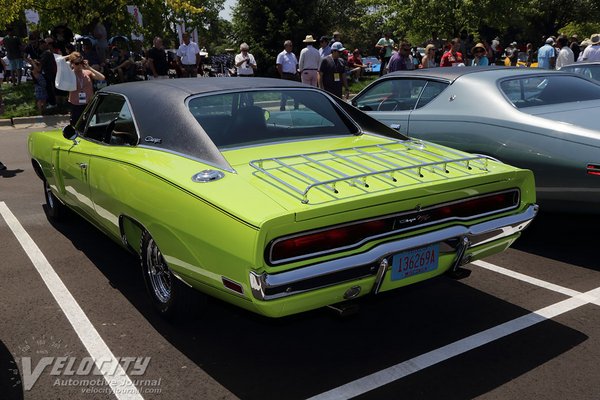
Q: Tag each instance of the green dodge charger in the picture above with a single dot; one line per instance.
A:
(273, 195)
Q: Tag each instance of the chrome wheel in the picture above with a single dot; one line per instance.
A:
(159, 276)
(54, 208)
(49, 196)
(169, 295)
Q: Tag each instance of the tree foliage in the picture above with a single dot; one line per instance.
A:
(158, 16)
(266, 24)
(415, 20)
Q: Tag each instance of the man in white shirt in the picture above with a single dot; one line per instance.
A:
(310, 59)
(245, 62)
(287, 66)
(188, 57)
(565, 55)
(592, 52)
(287, 63)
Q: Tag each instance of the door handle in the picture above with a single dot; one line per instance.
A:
(83, 165)
(395, 126)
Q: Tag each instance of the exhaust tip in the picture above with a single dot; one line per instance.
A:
(344, 309)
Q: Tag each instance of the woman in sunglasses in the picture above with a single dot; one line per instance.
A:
(85, 90)
(479, 55)
(428, 60)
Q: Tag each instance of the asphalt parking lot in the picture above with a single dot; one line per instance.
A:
(524, 325)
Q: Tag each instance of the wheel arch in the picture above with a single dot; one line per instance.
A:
(131, 231)
(37, 167)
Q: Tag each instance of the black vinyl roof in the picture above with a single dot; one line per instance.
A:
(160, 111)
(184, 87)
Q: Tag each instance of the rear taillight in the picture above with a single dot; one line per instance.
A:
(326, 240)
(593, 169)
(311, 244)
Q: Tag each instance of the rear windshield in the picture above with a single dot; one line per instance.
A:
(589, 71)
(550, 89)
(262, 116)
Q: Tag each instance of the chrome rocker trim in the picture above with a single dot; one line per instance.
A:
(273, 286)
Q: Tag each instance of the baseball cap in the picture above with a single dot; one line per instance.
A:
(337, 46)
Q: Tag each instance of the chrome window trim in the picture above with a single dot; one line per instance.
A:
(272, 243)
(143, 146)
(94, 105)
(137, 128)
(359, 130)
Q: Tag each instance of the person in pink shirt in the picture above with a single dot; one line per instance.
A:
(82, 95)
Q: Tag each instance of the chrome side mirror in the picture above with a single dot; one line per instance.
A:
(70, 133)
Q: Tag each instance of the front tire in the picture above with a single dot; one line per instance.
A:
(168, 294)
(54, 208)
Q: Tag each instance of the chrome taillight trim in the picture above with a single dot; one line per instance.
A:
(328, 273)
(269, 251)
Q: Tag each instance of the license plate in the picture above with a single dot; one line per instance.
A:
(414, 262)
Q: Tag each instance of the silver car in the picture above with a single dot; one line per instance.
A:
(547, 121)
(589, 69)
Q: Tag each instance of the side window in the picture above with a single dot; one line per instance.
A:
(392, 95)
(214, 113)
(549, 89)
(111, 122)
(431, 91)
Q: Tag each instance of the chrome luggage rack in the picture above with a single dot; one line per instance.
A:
(389, 158)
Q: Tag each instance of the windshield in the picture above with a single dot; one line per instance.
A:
(549, 89)
(263, 116)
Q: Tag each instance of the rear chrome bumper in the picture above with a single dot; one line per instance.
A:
(273, 286)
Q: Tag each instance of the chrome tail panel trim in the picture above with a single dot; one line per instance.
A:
(273, 286)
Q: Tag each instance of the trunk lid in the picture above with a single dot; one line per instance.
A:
(310, 180)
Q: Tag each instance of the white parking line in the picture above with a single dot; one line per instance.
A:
(401, 370)
(525, 278)
(106, 362)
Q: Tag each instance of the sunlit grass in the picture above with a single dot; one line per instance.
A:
(19, 101)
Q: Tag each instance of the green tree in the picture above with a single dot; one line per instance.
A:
(266, 24)
(415, 20)
(158, 15)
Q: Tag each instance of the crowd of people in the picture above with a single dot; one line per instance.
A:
(97, 61)
(552, 53)
(324, 63)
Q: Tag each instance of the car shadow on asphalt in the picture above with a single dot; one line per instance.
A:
(11, 385)
(570, 238)
(10, 173)
(303, 355)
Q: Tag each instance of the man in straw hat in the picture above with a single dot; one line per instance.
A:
(310, 59)
(592, 52)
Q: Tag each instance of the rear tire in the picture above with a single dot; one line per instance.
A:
(55, 210)
(168, 295)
